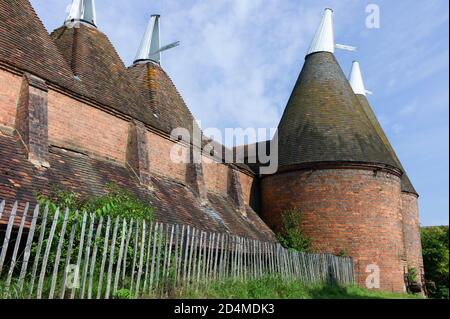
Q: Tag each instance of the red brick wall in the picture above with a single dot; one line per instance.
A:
(9, 94)
(347, 210)
(160, 163)
(78, 126)
(411, 231)
(81, 127)
(215, 175)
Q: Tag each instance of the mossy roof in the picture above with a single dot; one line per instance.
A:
(324, 121)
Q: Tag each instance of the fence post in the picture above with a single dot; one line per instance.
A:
(94, 256)
(179, 253)
(105, 251)
(228, 260)
(69, 254)
(157, 273)
(190, 256)
(80, 254)
(58, 254)
(119, 260)
(6, 240)
(28, 245)
(165, 260)
(135, 251)
(186, 253)
(46, 254)
(16, 246)
(127, 243)
(149, 242)
(141, 259)
(199, 260)
(2, 207)
(221, 257)
(176, 255)
(152, 268)
(111, 258)
(87, 255)
(207, 261)
(169, 257)
(216, 256)
(193, 242)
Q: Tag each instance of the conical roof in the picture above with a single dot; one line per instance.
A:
(324, 121)
(26, 45)
(96, 63)
(357, 84)
(406, 183)
(162, 99)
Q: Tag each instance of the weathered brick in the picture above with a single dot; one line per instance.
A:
(137, 152)
(349, 210)
(235, 190)
(81, 127)
(32, 119)
(195, 177)
(411, 232)
(9, 92)
(159, 154)
(216, 176)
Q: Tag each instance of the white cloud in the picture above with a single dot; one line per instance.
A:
(408, 109)
(397, 128)
(239, 59)
(384, 120)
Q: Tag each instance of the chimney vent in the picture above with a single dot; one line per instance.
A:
(150, 48)
(81, 11)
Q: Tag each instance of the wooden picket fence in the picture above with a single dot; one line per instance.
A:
(63, 254)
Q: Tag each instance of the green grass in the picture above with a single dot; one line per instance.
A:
(13, 291)
(267, 288)
(274, 288)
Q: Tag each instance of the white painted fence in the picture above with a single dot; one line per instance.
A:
(79, 255)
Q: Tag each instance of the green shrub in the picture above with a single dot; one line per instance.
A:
(123, 294)
(290, 235)
(435, 258)
(342, 253)
(412, 275)
(116, 202)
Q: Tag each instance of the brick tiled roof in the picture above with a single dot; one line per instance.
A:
(94, 60)
(163, 101)
(25, 44)
(324, 122)
(173, 202)
(87, 53)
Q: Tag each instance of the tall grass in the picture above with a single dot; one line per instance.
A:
(276, 288)
(266, 288)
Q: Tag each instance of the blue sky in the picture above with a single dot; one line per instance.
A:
(239, 60)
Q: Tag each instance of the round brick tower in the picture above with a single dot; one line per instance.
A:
(411, 233)
(335, 168)
(408, 197)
